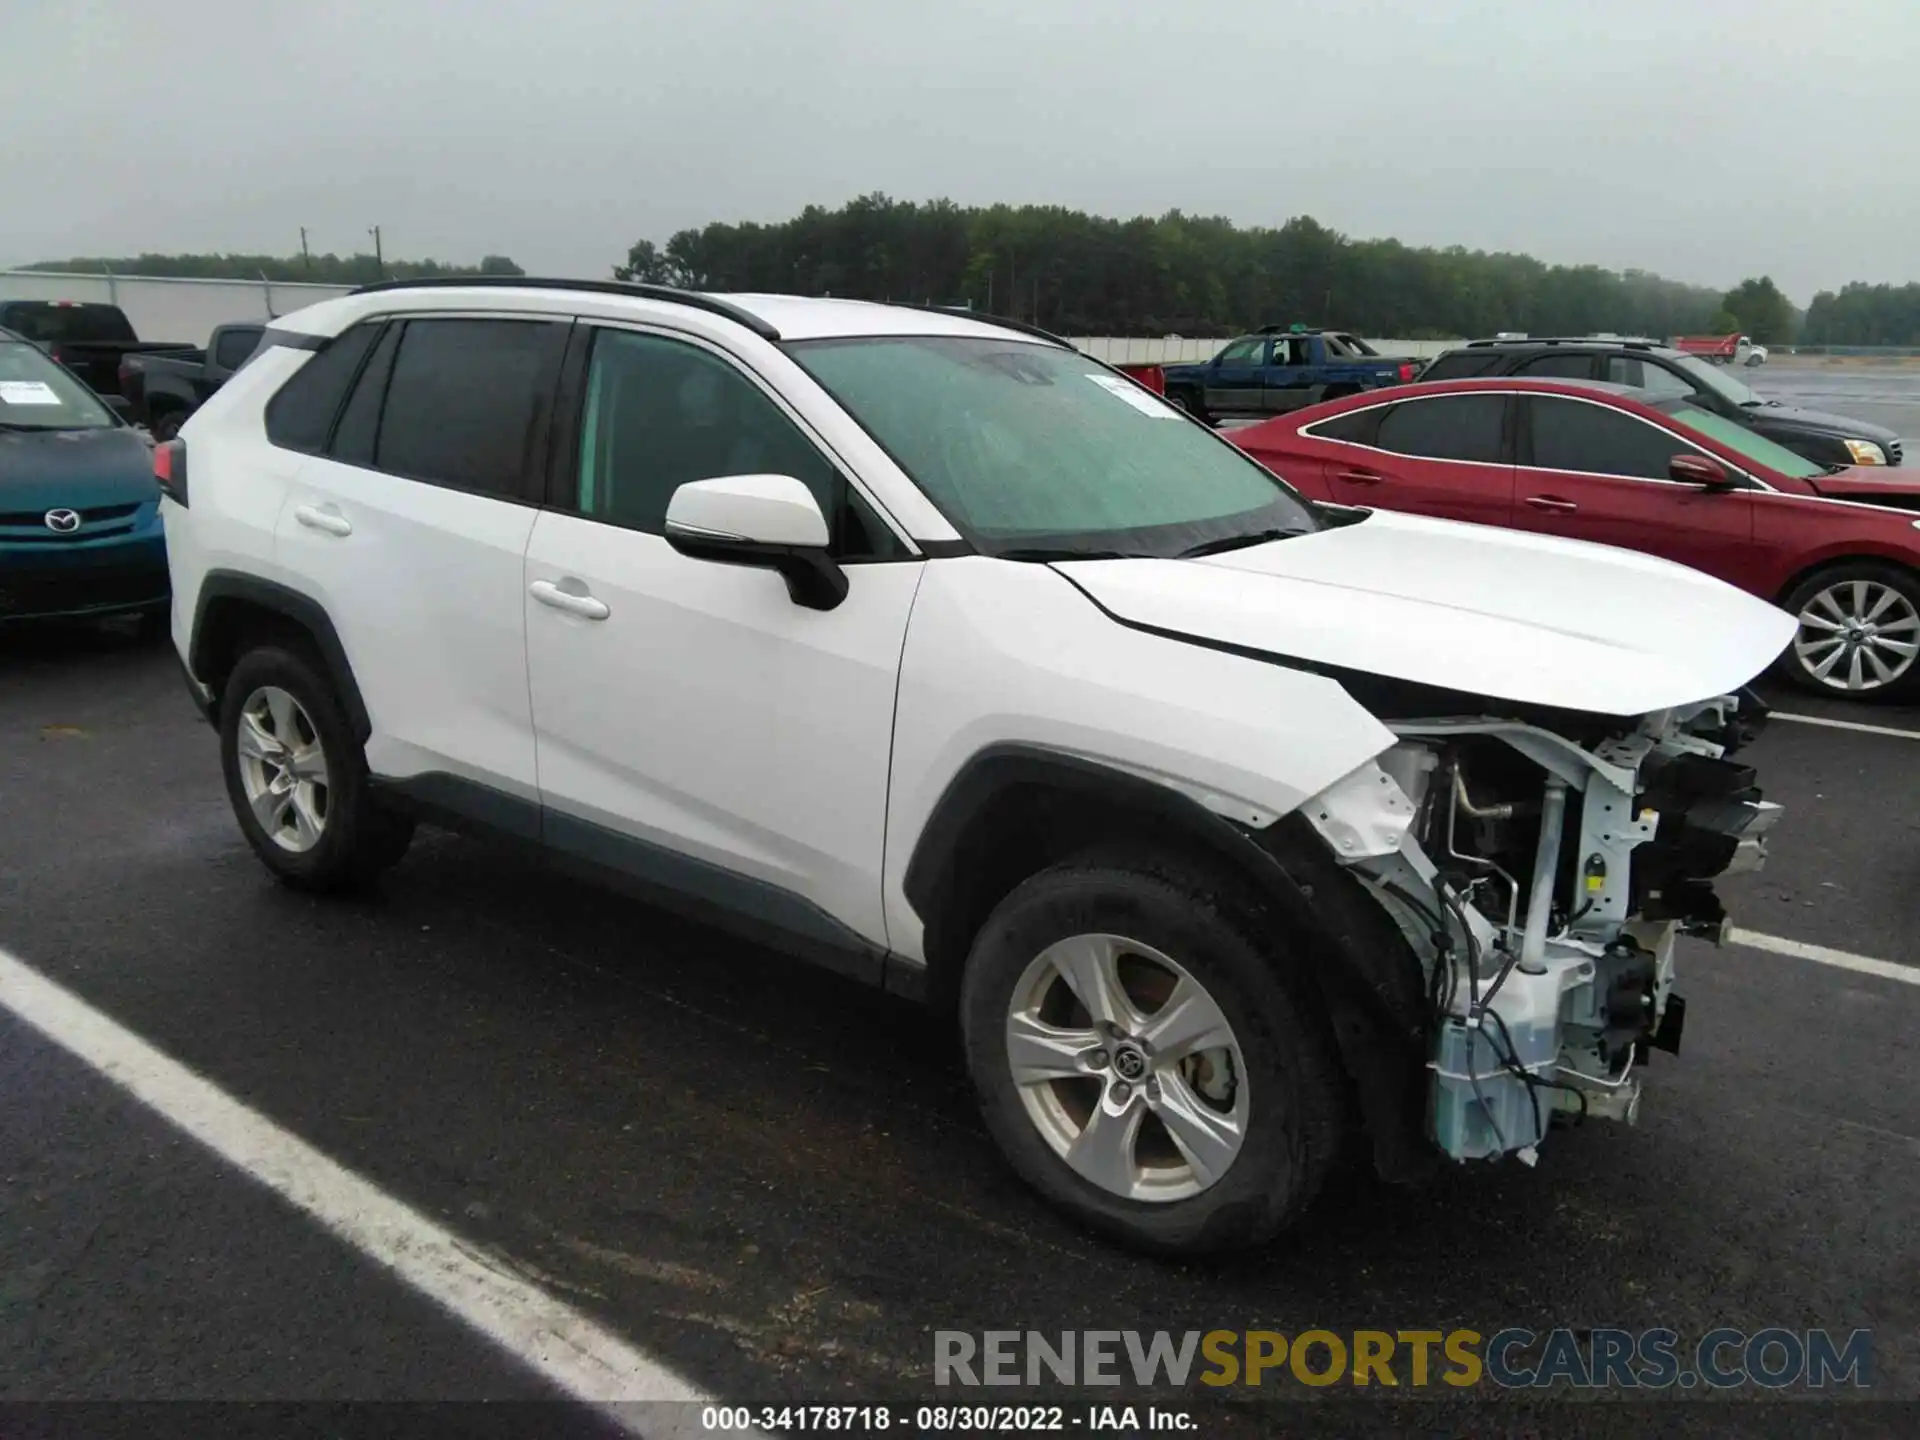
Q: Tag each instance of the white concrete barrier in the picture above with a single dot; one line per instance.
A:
(163, 308)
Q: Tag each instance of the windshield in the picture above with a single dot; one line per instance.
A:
(36, 394)
(1736, 437)
(1038, 453)
(1715, 378)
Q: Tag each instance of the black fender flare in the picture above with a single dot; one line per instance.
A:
(1360, 965)
(222, 588)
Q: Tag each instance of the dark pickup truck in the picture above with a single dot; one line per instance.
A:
(89, 338)
(1275, 370)
(163, 388)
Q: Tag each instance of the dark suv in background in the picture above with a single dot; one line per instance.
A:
(1667, 374)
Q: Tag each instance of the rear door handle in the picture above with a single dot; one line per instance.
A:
(583, 605)
(1358, 477)
(331, 521)
(1549, 502)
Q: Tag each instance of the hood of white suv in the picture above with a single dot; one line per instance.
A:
(1500, 613)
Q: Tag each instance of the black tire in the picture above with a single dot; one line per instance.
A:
(359, 839)
(1296, 1117)
(166, 425)
(1791, 667)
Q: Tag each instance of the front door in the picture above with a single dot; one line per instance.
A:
(1442, 455)
(1285, 384)
(1234, 377)
(696, 728)
(1590, 472)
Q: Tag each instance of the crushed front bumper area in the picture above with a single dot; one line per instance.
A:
(1543, 883)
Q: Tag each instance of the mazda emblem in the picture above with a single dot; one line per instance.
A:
(63, 522)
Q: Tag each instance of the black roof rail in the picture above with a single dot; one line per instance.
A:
(1629, 342)
(985, 319)
(693, 299)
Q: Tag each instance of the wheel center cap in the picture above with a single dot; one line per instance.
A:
(1129, 1063)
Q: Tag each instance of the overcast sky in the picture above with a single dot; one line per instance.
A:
(1705, 139)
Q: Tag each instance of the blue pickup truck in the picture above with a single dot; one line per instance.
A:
(1275, 370)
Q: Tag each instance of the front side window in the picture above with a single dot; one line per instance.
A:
(1031, 448)
(1742, 441)
(1447, 427)
(1597, 440)
(233, 348)
(36, 394)
(661, 413)
(1715, 380)
(462, 402)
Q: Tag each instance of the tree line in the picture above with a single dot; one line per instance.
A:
(1081, 274)
(1862, 314)
(328, 269)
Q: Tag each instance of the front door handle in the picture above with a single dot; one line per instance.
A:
(581, 604)
(1550, 502)
(1358, 477)
(331, 521)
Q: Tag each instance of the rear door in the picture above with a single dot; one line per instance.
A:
(1235, 376)
(1589, 471)
(1442, 455)
(1285, 383)
(411, 528)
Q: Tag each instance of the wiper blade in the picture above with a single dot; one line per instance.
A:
(1039, 553)
(1238, 542)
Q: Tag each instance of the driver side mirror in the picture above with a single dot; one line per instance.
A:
(1709, 474)
(768, 521)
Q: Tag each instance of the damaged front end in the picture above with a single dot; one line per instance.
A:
(1541, 877)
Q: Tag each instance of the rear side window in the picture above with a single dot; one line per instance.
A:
(1355, 427)
(1464, 365)
(234, 346)
(301, 415)
(1597, 440)
(465, 401)
(1447, 427)
(1558, 367)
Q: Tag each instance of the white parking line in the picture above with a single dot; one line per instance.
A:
(1856, 725)
(548, 1336)
(1826, 955)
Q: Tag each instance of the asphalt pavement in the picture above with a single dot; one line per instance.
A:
(774, 1180)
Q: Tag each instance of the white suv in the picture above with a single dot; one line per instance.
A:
(1232, 828)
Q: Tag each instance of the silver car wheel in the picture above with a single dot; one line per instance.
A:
(283, 769)
(1857, 636)
(1127, 1067)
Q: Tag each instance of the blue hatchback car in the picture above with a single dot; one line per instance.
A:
(79, 506)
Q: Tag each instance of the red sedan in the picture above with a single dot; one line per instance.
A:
(1838, 548)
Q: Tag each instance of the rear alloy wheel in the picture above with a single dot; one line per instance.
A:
(1859, 633)
(298, 778)
(1150, 1056)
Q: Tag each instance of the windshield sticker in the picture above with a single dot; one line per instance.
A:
(27, 392)
(1136, 397)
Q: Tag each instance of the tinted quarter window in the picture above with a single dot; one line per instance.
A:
(1577, 435)
(661, 413)
(463, 400)
(1447, 427)
(359, 423)
(1356, 426)
(1464, 365)
(1558, 367)
(300, 416)
(234, 346)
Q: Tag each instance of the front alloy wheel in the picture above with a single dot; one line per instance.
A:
(1127, 1068)
(283, 769)
(1857, 636)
